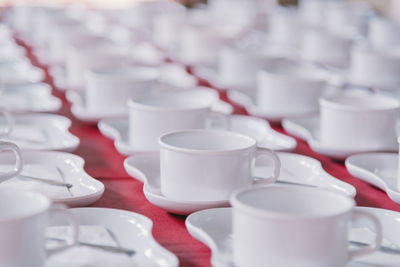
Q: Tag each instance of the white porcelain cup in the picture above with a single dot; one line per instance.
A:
(24, 217)
(295, 226)
(383, 32)
(199, 44)
(239, 67)
(363, 122)
(285, 28)
(207, 165)
(151, 116)
(109, 88)
(320, 46)
(373, 67)
(92, 52)
(290, 86)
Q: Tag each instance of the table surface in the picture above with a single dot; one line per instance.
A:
(104, 163)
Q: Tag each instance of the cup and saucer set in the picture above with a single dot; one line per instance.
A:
(250, 200)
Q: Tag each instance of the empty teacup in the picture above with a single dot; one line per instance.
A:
(288, 87)
(372, 67)
(152, 116)
(199, 45)
(207, 165)
(285, 28)
(363, 122)
(320, 46)
(383, 32)
(238, 67)
(109, 88)
(91, 52)
(295, 226)
(24, 217)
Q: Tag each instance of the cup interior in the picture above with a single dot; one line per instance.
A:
(291, 70)
(361, 102)
(206, 141)
(195, 99)
(133, 73)
(292, 202)
(15, 205)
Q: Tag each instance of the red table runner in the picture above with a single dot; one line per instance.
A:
(123, 192)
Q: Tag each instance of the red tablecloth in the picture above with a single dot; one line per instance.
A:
(123, 192)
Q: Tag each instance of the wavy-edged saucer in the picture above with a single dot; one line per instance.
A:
(118, 129)
(20, 71)
(296, 169)
(378, 169)
(58, 166)
(247, 100)
(308, 128)
(41, 131)
(130, 230)
(29, 97)
(213, 227)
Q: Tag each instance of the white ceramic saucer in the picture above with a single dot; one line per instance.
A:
(247, 100)
(118, 129)
(29, 97)
(41, 132)
(307, 128)
(379, 169)
(130, 230)
(57, 166)
(213, 227)
(57, 72)
(20, 71)
(295, 169)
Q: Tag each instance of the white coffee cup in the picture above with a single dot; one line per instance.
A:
(321, 46)
(383, 32)
(295, 226)
(199, 44)
(239, 67)
(207, 165)
(285, 28)
(288, 85)
(24, 217)
(109, 88)
(152, 116)
(95, 53)
(363, 122)
(372, 67)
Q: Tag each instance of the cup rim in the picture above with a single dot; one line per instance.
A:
(259, 212)
(329, 102)
(167, 146)
(317, 75)
(47, 203)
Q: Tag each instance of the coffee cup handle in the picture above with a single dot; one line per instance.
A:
(217, 118)
(10, 123)
(378, 238)
(18, 160)
(261, 151)
(75, 231)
